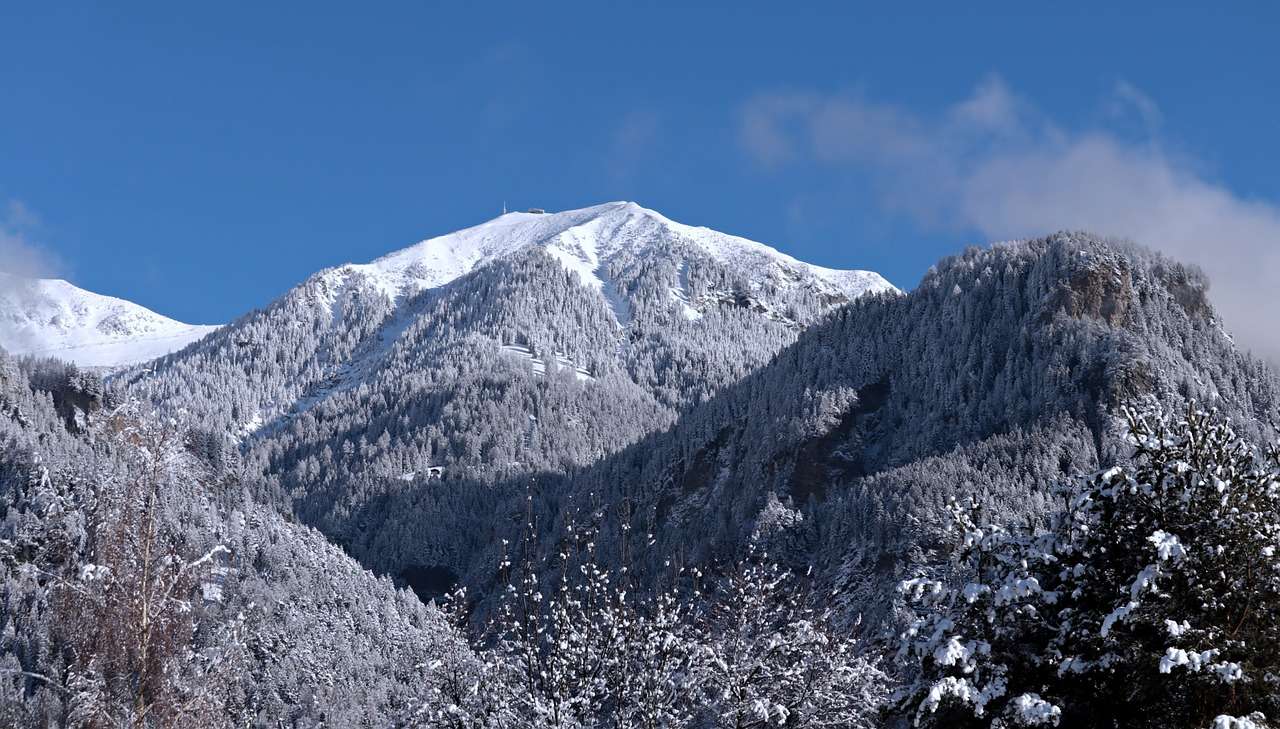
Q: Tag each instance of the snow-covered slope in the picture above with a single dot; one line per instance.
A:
(585, 240)
(50, 317)
(620, 294)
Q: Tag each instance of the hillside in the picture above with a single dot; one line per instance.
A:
(287, 629)
(999, 376)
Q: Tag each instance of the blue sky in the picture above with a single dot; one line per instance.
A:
(202, 158)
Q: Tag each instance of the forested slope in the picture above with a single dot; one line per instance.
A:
(1000, 376)
(394, 405)
(136, 577)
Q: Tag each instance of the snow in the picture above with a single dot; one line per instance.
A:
(1016, 589)
(973, 591)
(431, 472)
(953, 652)
(1031, 710)
(51, 317)
(1253, 721)
(211, 591)
(617, 302)
(1174, 657)
(353, 372)
(1119, 614)
(540, 366)
(253, 425)
(681, 294)
(584, 241)
(1167, 546)
(1228, 672)
(964, 691)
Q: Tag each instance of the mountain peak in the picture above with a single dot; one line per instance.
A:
(587, 238)
(54, 318)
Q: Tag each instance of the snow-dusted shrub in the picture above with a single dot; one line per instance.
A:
(572, 645)
(587, 649)
(769, 655)
(1152, 600)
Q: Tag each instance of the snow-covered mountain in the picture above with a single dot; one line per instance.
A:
(53, 318)
(596, 289)
(1001, 375)
(490, 387)
(586, 241)
(530, 343)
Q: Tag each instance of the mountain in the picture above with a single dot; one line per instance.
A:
(52, 318)
(531, 343)
(414, 407)
(999, 377)
(480, 387)
(524, 345)
(607, 288)
(587, 242)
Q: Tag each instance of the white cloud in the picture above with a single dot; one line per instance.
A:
(1126, 97)
(991, 163)
(21, 258)
(19, 255)
(762, 131)
(633, 141)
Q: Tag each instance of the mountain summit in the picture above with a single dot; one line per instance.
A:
(586, 241)
(673, 311)
(50, 317)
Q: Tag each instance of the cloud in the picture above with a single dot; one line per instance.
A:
(763, 131)
(1126, 98)
(633, 141)
(993, 164)
(19, 255)
(22, 260)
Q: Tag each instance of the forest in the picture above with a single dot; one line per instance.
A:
(1043, 482)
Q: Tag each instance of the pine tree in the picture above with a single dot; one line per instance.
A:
(1151, 600)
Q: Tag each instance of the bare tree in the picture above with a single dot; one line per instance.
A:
(130, 616)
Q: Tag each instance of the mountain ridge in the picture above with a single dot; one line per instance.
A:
(539, 341)
(572, 237)
(1000, 377)
(52, 317)
(625, 260)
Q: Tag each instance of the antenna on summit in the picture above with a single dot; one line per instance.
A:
(504, 207)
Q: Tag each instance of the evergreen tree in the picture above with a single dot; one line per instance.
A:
(1151, 600)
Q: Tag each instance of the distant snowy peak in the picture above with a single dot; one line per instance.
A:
(584, 241)
(53, 318)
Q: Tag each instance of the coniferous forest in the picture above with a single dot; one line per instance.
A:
(676, 488)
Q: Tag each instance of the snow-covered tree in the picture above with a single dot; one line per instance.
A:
(129, 617)
(576, 645)
(1150, 601)
(572, 645)
(769, 657)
